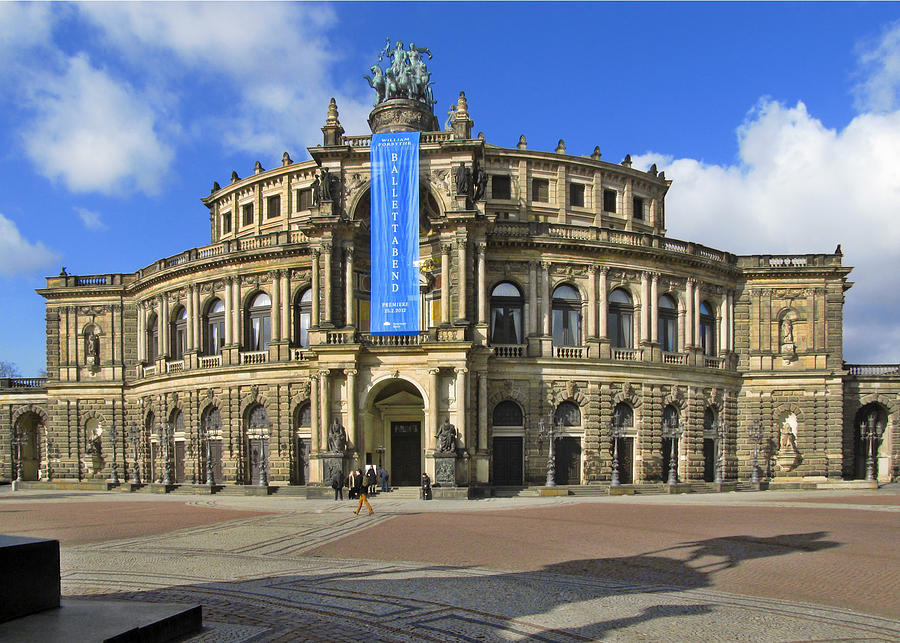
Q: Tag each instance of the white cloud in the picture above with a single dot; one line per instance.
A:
(90, 219)
(880, 64)
(800, 187)
(17, 255)
(25, 24)
(275, 57)
(93, 133)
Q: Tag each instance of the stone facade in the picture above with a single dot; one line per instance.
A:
(553, 298)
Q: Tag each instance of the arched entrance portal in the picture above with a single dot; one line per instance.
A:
(27, 430)
(395, 431)
(872, 417)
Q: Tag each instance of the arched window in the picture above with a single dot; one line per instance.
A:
(178, 334)
(707, 329)
(506, 314)
(625, 415)
(709, 420)
(303, 417)
(620, 319)
(566, 316)
(668, 324)
(214, 325)
(259, 323)
(303, 318)
(567, 414)
(152, 339)
(507, 413)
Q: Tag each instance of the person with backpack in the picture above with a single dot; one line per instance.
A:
(383, 474)
(359, 487)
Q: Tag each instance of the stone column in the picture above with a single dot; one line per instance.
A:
(482, 413)
(433, 409)
(286, 306)
(229, 313)
(461, 415)
(461, 278)
(276, 305)
(189, 307)
(162, 326)
(445, 283)
(730, 328)
(141, 334)
(198, 330)
(314, 311)
(482, 284)
(592, 303)
(654, 307)
(326, 253)
(532, 298)
(604, 306)
(689, 315)
(697, 315)
(545, 267)
(315, 445)
(645, 307)
(237, 309)
(723, 325)
(325, 408)
(351, 406)
(348, 294)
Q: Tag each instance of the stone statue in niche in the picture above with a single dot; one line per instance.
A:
(337, 437)
(788, 456)
(788, 345)
(325, 187)
(93, 349)
(462, 179)
(94, 451)
(446, 437)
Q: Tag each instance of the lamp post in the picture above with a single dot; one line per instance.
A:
(115, 464)
(614, 425)
(720, 450)
(210, 481)
(263, 461)
(755, 432)
(672, 430)
(134, 436)
(167, 472)
(49, 459)
(549, 432)
(870, 434)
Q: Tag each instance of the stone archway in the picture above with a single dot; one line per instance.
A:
(871, 416)
(28, 430)
(395, 431)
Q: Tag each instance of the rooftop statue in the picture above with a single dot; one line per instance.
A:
(405, 77)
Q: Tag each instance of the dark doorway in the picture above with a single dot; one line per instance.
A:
(626, 460)
(709, 459)
(874, 415)
(406, 461)
(155, 457)
(303, 448)
(508, 460)
(179, 462)
(215, 449)
(666, 459)
(568, 461)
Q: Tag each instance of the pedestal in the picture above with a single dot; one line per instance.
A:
(445, 469)
(331, 464)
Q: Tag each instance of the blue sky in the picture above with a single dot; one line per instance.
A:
(779, 123)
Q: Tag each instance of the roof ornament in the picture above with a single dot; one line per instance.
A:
(234, 177)
(523, 144)
(215, 187)
(561, 147)
(332, 129)
(595, 155)
(405, 77)
(286, 159)
(652, 171)
(627, 160)
(257, 168)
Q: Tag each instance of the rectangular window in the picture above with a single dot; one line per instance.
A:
(638, 210)
(226, 222)
(247, 211)
(304, 199)
(540, 190)
(273, 206)
(609, 200)
(576, 195)
(500, 187)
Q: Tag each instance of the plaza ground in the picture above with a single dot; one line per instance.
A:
(735, 566)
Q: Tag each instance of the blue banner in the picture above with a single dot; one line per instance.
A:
(395, 234)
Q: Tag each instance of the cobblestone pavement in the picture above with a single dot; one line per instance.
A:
(545, 569)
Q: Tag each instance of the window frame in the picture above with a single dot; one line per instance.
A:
(303, 317)
(513, 305)
(178, 334)
(637, 207)
(707, 339)
(537, 184)
(263, 332)
(504, 179)
(616, 313)
(226, 222)
(276, 200)
(667, 320)
(610, 196)
(569, 310)
(214, 340)
(577, 189)
(247, 214)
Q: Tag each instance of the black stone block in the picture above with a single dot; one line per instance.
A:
(29, 576)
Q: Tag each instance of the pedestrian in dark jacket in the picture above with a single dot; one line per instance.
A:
(337, 483)
(383, 474)
(360, 489)
(371, 480)
(426, 487)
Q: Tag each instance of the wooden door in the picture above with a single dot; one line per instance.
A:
(406, 449)
(709, 459)
(508, 460)
(626, 460)
(568, 461)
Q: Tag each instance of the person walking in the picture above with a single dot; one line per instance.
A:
(360, 488)
(372, 480)
(383, 474)
(337, 483)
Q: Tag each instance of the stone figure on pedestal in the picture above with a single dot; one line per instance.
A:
(446, 437)
(462, 179)
(93, 349)
(337, 437)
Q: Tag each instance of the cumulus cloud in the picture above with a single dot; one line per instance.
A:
(94, 133)
(801, 187)
(880, 67)
(18, 256)
(25, 24)
(90, 219)
(275, 56)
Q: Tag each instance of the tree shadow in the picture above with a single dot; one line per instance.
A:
(390, 601)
